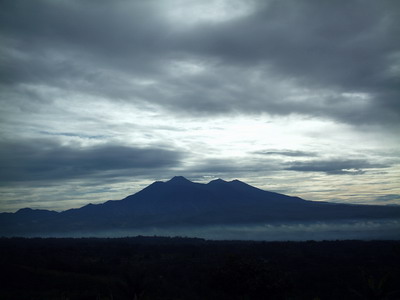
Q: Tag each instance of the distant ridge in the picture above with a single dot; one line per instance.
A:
(181, 202)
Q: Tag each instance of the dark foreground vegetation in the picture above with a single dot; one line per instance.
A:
(181, 268)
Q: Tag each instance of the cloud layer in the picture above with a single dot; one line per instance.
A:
(338, 60)
(334, 166)
(42, 160)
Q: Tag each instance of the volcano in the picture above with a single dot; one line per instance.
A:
(180, 202)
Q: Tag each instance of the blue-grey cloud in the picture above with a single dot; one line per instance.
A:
(45, 160)
(334, 166)
(291, 153)
(69, 134)
(388, 198)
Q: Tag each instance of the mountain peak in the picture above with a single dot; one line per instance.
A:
(24, 210)
(179, 179)
(219, 180)
(236, 181)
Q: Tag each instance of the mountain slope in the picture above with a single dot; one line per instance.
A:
(180, 202)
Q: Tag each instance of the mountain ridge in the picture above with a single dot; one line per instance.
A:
(181, 202)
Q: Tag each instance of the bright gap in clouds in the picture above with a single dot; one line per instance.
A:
(256, 149)
(193, 12)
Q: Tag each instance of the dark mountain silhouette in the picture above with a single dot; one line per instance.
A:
(180, 202)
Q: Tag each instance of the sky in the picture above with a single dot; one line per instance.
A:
(98, 99)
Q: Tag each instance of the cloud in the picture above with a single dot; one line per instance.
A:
(68, 134)
(388, 198)
(233, 167)
(313, 63)
(45, 160)
(290, 153)
(334, 166)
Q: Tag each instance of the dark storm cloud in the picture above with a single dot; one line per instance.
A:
(342, 46)
(342, 57)
(49, 40)
(335, 166)
(33, 160)
(341, 42)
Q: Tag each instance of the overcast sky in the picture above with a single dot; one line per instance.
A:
(101, 98)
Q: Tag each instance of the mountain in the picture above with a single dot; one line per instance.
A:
(180, 202)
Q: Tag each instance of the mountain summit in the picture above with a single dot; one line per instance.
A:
(179, 180)
(181, 202)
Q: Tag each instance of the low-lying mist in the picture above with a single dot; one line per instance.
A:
(343, 230)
